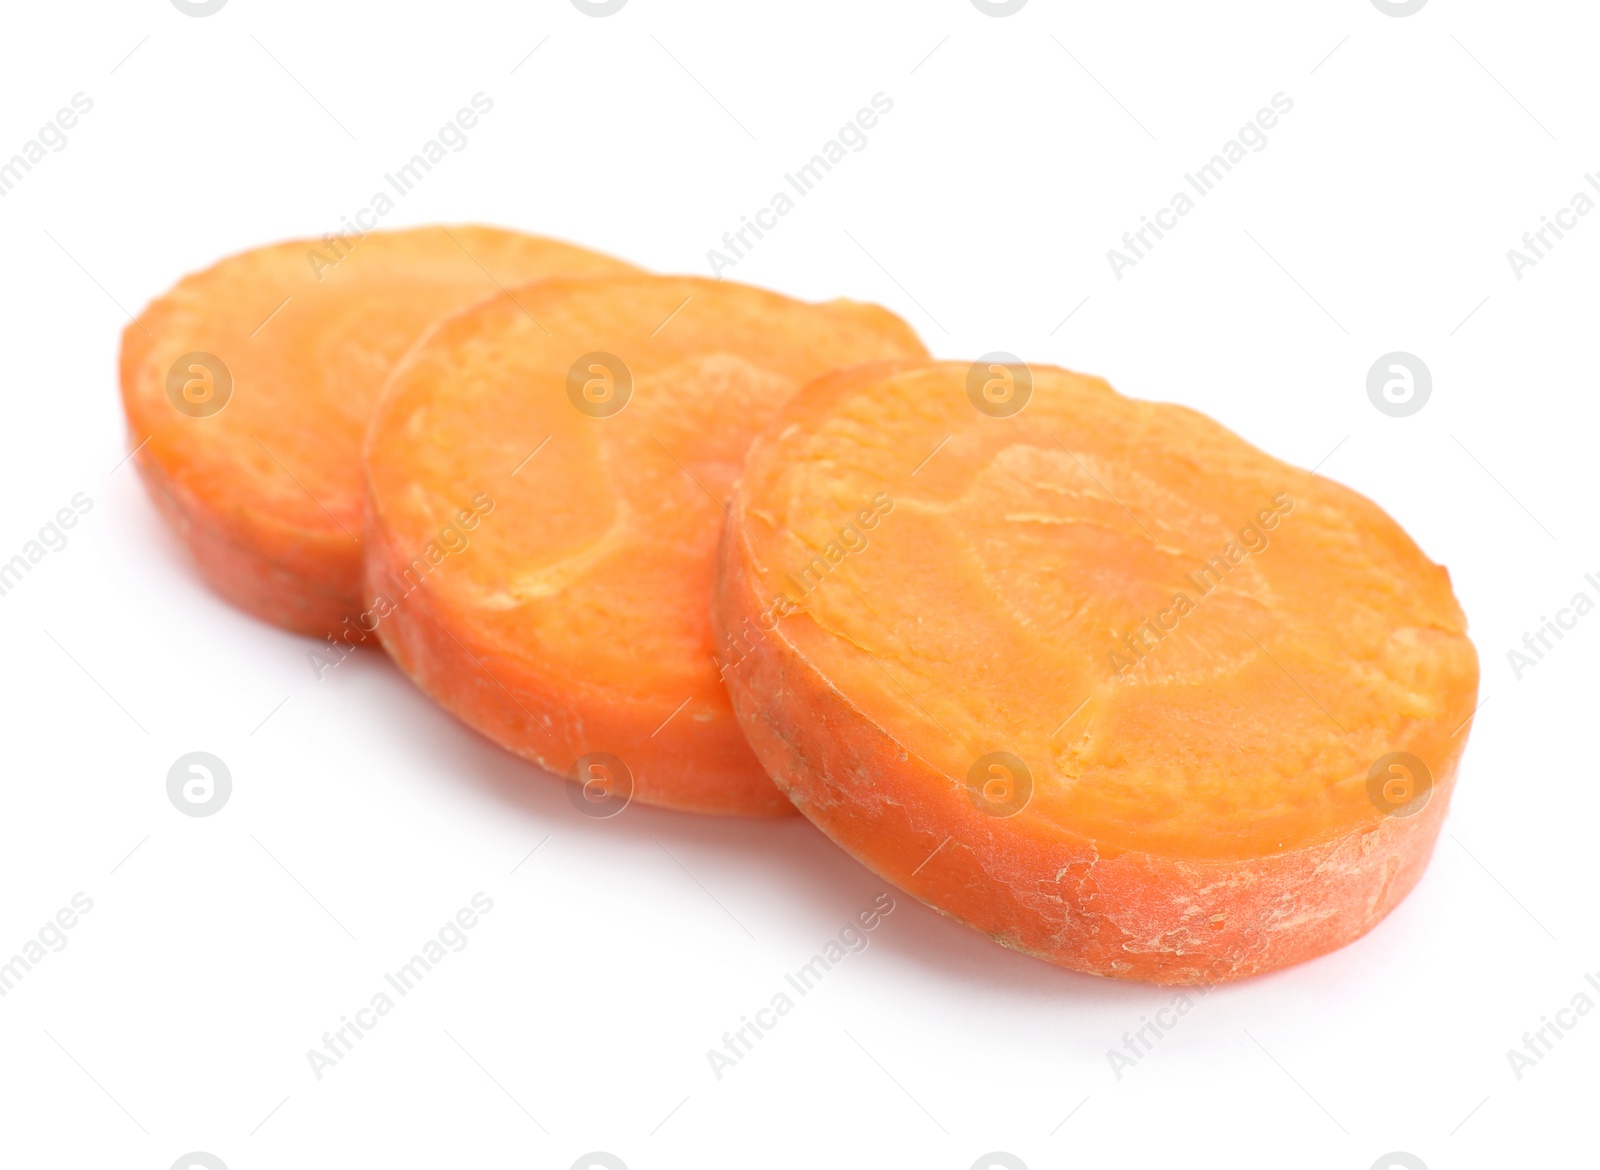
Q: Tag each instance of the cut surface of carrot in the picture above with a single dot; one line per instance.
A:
(1091, 675)
(547, 475)
(247, 389)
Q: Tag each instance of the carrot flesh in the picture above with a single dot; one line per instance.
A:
(247, 389)
(952, 632)
(547, 474)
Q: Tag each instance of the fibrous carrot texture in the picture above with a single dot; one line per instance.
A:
(1091, 675)
(248, 387)
(547, 475)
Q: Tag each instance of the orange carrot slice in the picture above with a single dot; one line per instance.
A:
(249, 385)
(546, 477)
(1091, 675)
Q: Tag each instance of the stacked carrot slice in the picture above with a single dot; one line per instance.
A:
(605, 422)
(1105, 682)
(1092, 675)
(250, 384)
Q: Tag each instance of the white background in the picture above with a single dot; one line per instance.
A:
(220, 949)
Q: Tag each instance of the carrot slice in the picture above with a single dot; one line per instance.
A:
(546, 479)
(249, 385)
(1091, 675)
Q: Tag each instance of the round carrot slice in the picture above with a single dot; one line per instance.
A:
(547, 475)
(1091, 675)
(248, 386)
